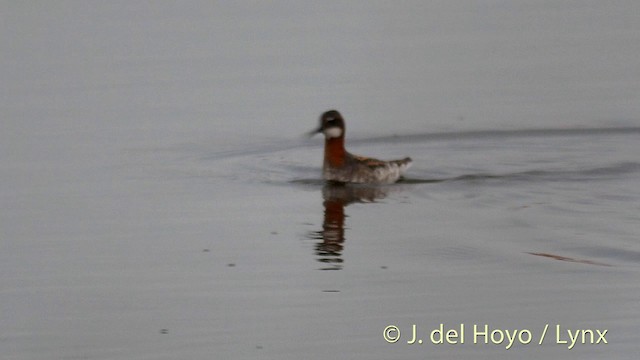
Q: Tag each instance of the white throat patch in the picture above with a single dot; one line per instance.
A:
(332, 132)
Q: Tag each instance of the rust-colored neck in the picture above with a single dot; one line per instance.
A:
(334, 152)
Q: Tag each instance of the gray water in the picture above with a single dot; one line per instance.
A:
(160, 201)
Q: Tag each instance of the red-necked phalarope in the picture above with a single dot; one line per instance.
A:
(341, 166)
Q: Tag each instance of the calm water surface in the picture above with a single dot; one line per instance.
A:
(160, 200)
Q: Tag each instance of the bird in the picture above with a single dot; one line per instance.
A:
(340, 166)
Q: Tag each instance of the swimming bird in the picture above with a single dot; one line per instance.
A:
(343, 167)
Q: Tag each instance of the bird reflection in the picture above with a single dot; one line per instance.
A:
(332, 236)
